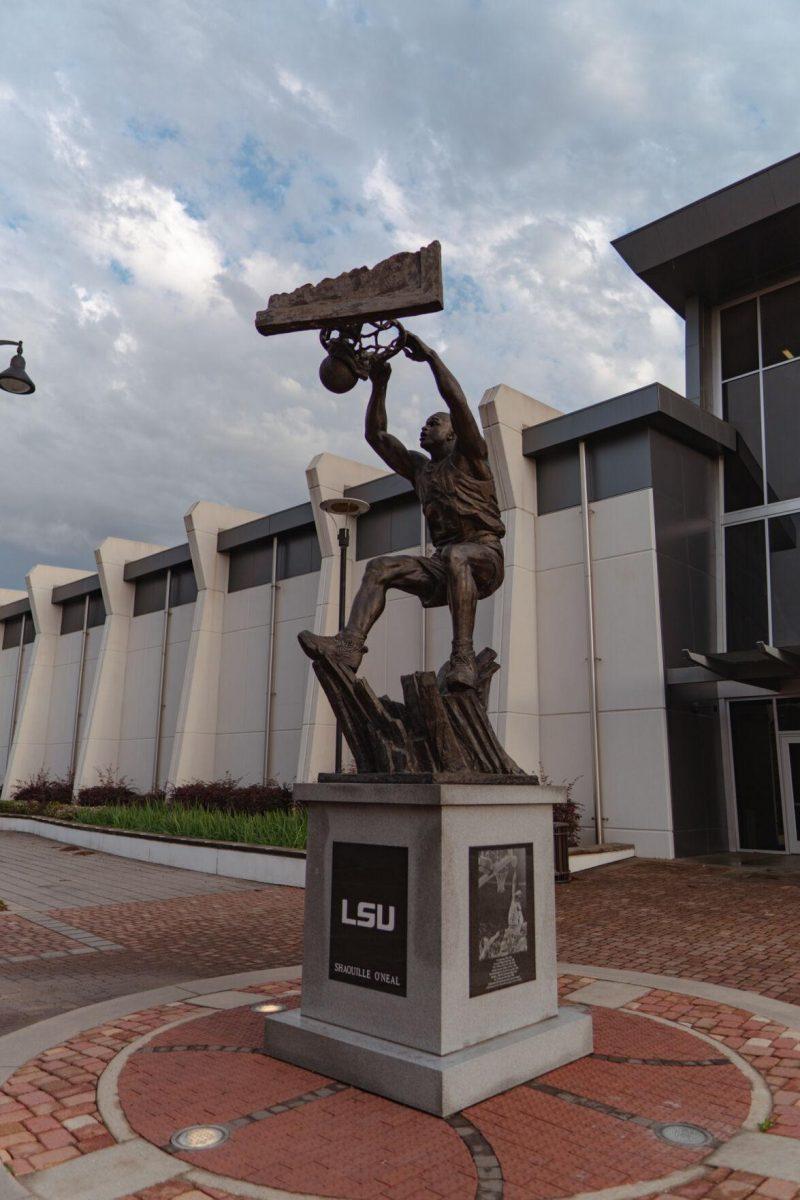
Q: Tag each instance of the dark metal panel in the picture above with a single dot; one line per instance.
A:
(386, 487)
(72, 615)
(15, 609)
(619, 462)
(97, 611)
(730, 242)
(284, 521)
(182, 586)
(150, 594)
(176, 556)
(250, 565)
(298, 553)
(78, 587)
(558, 480)
(654, 405)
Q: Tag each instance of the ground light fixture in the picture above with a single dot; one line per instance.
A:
(689, 1137)
(343, 506)
(267, 1006)
(15, 378)
(199, 1137)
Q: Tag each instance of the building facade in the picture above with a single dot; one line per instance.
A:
(648, 628)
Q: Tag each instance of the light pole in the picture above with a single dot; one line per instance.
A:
(15, 379)
(343, 506)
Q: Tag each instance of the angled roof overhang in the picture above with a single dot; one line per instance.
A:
(737, 240)
(765, 666)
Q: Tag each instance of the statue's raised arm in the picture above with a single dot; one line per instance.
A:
(405, 462)
(469, 439)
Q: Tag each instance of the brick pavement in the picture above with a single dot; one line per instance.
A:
(732, 928)
(589, 1125)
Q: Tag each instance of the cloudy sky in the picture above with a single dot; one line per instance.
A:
(169, 164)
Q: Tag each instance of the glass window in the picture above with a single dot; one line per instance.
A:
(738, 329)
(780, 325)
(782, 421)
(746, 585)
(744, 473)
(755, 769)
(789, 714)
(784, 565)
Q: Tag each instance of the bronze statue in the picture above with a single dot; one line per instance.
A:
(456, 490)
(441, 728)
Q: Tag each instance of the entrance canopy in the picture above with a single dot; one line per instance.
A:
(764, 666)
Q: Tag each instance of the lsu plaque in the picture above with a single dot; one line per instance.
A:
(501, 927)
(369, 916)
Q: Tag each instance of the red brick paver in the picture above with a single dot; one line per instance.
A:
(363, 1147)
(48, 1108)
(196, 930)
(688, 919)
(22, 938)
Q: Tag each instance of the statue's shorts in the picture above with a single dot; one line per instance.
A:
(485, 562)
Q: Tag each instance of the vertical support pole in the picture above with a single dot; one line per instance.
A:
(423, 545)
(344, 542)
(17, 679)
(78, 694)
(587, 558)
(161, 674)
(273, 603)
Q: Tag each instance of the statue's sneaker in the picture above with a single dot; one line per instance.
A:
(462, 671)
(339, 648)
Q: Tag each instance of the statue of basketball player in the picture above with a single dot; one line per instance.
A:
(455, 487)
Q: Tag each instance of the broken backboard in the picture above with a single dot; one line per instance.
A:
(403, 285)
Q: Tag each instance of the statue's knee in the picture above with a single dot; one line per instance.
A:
(377, 570)
(456, 558)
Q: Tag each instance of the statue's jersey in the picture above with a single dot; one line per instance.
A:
(457, 506)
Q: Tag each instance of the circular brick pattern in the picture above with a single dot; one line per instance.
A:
(590, 1125)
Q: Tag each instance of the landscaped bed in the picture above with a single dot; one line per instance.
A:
(278, 827)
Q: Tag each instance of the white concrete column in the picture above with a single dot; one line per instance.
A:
(328, 476)
(514, 697)
(193, 750)
(99, 747)
(26, 755)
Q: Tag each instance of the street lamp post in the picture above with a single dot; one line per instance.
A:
(16, 379)
(343, 506)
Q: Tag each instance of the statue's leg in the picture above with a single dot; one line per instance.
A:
(462, 595)
(397, 571)
(471, 572)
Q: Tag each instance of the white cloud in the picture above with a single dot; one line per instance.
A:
(93, 307)
(161, 180)
(145, 228)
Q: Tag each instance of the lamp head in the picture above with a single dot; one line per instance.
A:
(15, 378)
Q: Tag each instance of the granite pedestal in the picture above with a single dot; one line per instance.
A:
(429, 968)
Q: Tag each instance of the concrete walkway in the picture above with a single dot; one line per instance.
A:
(83, 927)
